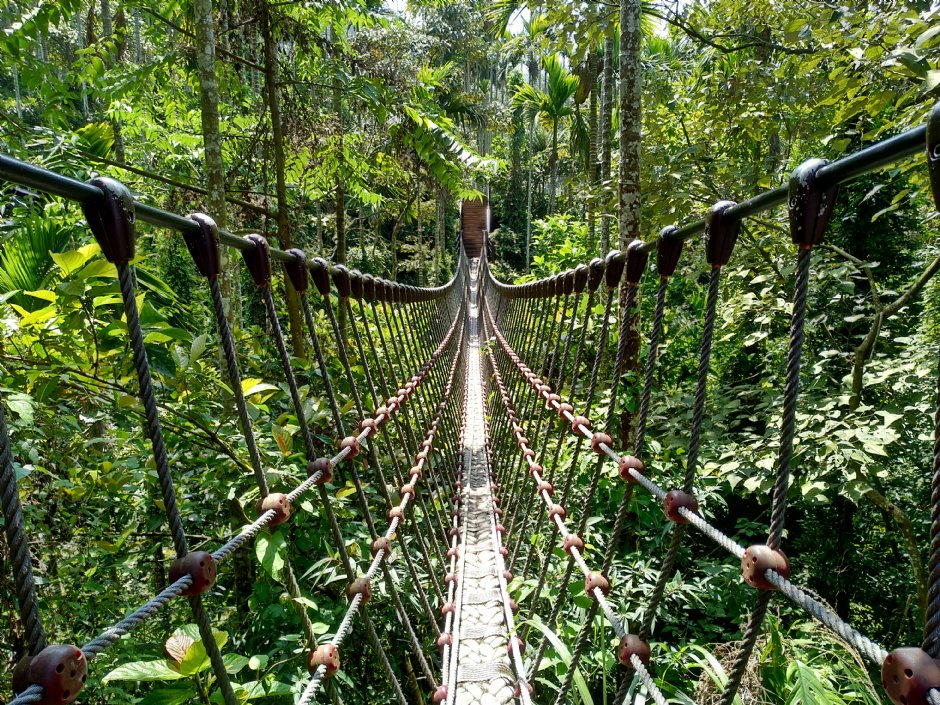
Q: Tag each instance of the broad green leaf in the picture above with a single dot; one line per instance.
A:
(270, 549)
(144, 671)
(43, 294)
(73, 260)
(196, 658)
(256, 386)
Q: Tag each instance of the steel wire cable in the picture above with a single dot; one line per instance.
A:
(146, 611)
(600, 600)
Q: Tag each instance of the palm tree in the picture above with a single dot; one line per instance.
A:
(550, 107)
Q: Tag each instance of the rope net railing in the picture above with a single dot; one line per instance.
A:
(417, 367)
(400, 350)
(553, 378)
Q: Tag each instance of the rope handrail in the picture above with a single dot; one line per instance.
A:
(16, 171)
(109, 636)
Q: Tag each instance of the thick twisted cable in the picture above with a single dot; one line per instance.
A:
(155, 431)
(931, 642)
(782, 479)
(19, 546)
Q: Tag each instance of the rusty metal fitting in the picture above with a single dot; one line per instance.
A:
(320, 273)
(278, 502)
(503, 551)
(721, 232)
(416, 471)
(908, 674)
(360, 586)
(565, 407)
(440, 694)
(406, 491)
(355, 284)
(368, 287)
(535, 468)
(573, 541)
(513, 606)
(615, 262)
(582, 421)
(500, 529)
(448, 608)
(628, 463)
(556, 510)
(326, 655)
(454, 532)
(381, 544)
(203, 245)
(637, 258)
(423, 455)
(521, 440)
(341, 280)
(112, 219)
(760, 558)
(517, 691)
(296, 270)
(450, 578)
(324, 466)
(810, 206)
(597, 439)
(453, 552)
(552, 398)
(630, 646)
(596, 273)
(598, 581)
(60, 669)
(581, 273)
(544, 486)
(545, 390)
(668, 251)
(368, 424)
(933, 152)
(257, 260)
(676, 500)
(497, 512)
(445, 639)
(200, 566)
(351, 442)
(507, 575)
(396, 513)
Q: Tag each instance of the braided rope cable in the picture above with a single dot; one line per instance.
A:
(931, 643)
(155, 431)
(827, 617)
(146, 611)
(18, 542)
(394, 524)
(782, 480)
(599, 598)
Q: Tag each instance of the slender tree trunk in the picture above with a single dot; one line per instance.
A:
(283, 211)
(554, 168)
(592, 151)
(631, 81)
(440, 223)
(340, 192)
(422, 277)
(107, 28)
(606, 147)
(212, 145)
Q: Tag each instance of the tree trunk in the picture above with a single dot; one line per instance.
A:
(607, 110)
(592, 151)
(283, 213)
(629, 191)
(212, 144)
(340, 192)
(439, 225)
(107, 29)
(554, 168)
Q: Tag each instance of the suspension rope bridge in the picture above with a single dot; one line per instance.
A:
(476, 402)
